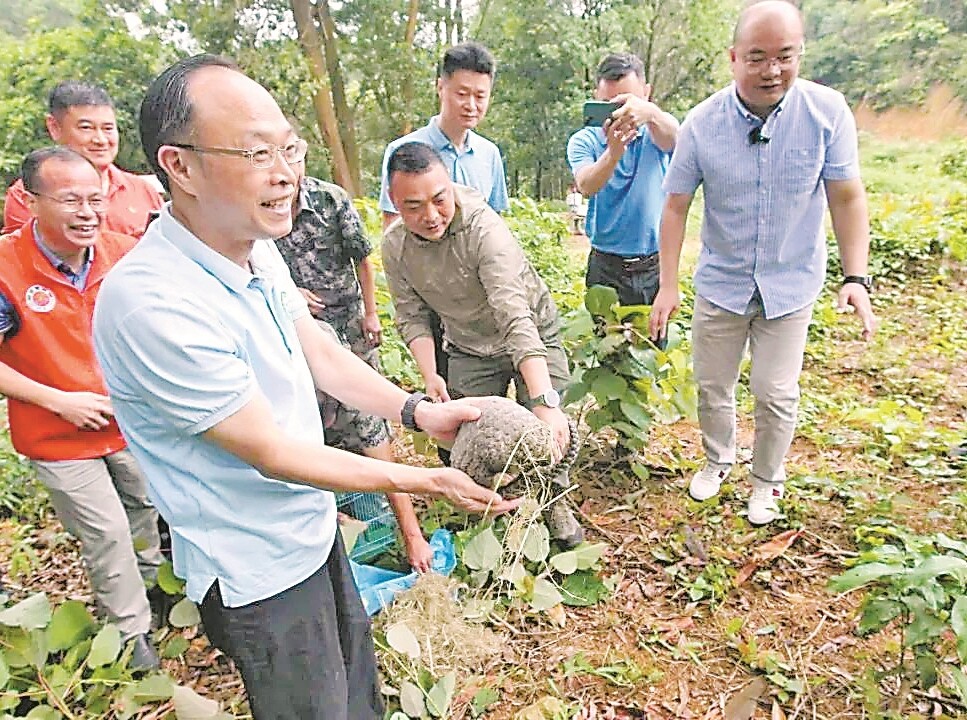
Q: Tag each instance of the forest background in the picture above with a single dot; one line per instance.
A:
(355, 74)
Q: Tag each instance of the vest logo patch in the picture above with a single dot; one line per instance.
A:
(40, 299)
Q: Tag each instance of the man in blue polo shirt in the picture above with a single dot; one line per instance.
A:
(620, 167)
(464, 85)
(212, 361)
(769, 151)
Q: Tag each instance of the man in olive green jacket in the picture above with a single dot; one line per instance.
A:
(449, 252)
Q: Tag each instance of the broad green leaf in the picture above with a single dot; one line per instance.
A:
(950, 544)
(877, 613)
(440, 695)
(623, 311)
(70, 623)
(184, 614)
(153, 688)
(960, 681)
(4, 672)
(483, 699)
(637, 414)
(609, 386)
(43, 712)
(189, 705)
(641, 471)
(175, 647)
(412, 700)
(958, 622)
(583, 588)
(399, 716)
(926, 664)
(168, 581)
(38, 648)
(936, 565)
(483, 552)
(599, 300)
(588, 554)
(545, 595)
(30, 614)
(106, 647)
(598, 419)
(537, 542)
(565, 562)
(514, 573)
(863, 574)
(924, 626)
(402, 640)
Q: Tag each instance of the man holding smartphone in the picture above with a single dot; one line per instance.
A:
(620, 166)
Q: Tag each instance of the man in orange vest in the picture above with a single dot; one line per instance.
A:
(60, 415)
(82, 118)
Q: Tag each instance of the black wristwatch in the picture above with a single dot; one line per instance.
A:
(864, 280)
(408, 413)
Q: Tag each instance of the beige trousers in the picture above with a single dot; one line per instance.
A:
(104, 504)
(719, 340)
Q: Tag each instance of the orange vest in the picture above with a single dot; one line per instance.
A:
(53, 344)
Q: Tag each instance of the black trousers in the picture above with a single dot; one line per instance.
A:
(635, 279)
(306, 653)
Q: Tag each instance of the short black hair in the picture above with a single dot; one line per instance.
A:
(615, 66)
(166, 109)
(74, 93)
(413, 158)
(31, 166)
(470, 56)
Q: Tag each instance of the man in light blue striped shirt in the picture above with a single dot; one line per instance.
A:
(770, 150)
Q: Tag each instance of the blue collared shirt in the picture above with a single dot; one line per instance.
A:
(478, 164)
(185, 339)
(623, 216)
(8, 313)
(764, 202)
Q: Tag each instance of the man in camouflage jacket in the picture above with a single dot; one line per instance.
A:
(328, 257)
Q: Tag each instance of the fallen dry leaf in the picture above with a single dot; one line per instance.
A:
(767, 552)
(557, 615)
(741, 705)
(777, 712)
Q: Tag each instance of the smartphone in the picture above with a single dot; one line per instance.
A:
(597, 111)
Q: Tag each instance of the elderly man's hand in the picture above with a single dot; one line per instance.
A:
(855, 295)
(436, 388)
(463, 492)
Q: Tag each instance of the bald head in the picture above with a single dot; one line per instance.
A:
(778, 14)
(167, 112)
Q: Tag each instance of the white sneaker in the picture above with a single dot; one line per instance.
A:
(763, 503)
(706, 482)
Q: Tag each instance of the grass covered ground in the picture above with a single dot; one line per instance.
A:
(710, 617)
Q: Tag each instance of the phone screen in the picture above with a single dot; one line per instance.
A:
(596, 112)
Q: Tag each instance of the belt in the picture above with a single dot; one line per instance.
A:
(635, 263)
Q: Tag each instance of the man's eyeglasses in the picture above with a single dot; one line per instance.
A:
(261, 156)
(785, 60)
(73, 203)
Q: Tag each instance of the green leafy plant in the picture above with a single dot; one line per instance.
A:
(916, 585)
(631, 381)
(59, 663)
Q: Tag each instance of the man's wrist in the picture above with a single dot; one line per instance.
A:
(865, 280)
(409, 411)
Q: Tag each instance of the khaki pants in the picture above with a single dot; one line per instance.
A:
(104, 504)
(719, 339)
(470, 375)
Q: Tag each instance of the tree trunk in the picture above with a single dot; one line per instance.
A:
(344, 116)
(458, 19)
(407, 90)
(322, 100)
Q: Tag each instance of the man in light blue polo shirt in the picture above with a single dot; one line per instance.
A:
(464, 85)
(620, 167)
(769, 150)
(212, 360)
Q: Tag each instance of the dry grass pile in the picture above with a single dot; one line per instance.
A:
(448, 640)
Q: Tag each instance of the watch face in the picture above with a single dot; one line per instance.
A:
(552, 398)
